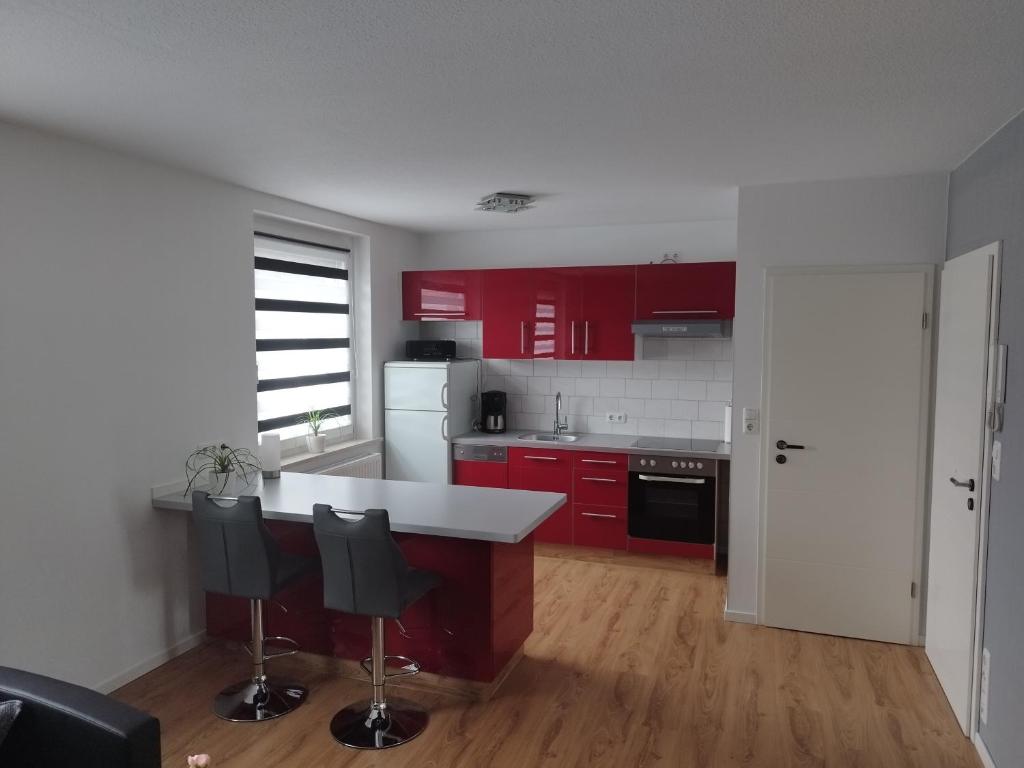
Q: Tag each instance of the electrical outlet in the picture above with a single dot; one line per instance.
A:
(615, 417)
(986, 665)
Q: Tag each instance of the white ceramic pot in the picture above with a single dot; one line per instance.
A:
(316, 443)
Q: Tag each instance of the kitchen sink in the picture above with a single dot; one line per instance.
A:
(548, 437)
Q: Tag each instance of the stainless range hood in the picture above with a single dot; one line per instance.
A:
(687, 329)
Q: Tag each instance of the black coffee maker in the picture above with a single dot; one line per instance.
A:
(494, 411)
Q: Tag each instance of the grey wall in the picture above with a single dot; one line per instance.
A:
(986, 203)
(126, 339)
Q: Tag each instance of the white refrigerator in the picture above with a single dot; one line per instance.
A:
(425, 405)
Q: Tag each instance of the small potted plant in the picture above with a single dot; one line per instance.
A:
(221, 463)
(316, 420)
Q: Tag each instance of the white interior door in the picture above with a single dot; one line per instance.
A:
(846, 377)
(961, 396)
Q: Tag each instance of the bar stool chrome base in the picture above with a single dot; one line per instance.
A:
(252, 701)
(379, 726)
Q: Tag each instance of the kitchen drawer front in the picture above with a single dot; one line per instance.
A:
(608, 488)
(596, 460)
(540, 457)
(599, 526)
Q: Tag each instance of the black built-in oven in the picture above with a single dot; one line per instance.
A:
(672, 498)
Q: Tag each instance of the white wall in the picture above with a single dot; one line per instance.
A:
(709, 240)
(898, 220)
(126, 338)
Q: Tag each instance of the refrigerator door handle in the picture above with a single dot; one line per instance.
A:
(444, 396)
(444, 431)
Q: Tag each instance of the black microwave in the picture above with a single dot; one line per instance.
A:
(430, 350)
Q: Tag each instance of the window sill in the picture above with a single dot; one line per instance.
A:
(335, 454)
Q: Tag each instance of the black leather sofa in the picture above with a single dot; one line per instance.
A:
(66, 726)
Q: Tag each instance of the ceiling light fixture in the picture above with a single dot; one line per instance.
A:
(505, 202)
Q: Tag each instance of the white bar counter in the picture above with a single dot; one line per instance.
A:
(457, 511)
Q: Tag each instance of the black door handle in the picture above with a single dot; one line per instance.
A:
(782, 445)
(969, 485)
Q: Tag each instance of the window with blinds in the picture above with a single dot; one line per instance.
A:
(303, 335)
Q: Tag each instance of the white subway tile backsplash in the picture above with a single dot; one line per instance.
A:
(619, 369)
(686, 410)
(700, 370)
(544, 368)
(593, 369)
(638, 388)
(709, 410)
(521, 367)
(645, 369)
(665, 389)
(693, 390)
(720, 390)
(539, 385)
(679, 388)
(569, 368)
(658, 409)
(613, 387)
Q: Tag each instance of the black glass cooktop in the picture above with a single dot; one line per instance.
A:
(681, 444)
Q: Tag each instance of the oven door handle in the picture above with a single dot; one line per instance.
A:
(686, 480)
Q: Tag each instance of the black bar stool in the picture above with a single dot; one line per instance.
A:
(365, 573)
(239, 557)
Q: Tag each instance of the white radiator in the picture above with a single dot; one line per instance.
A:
(370, 466)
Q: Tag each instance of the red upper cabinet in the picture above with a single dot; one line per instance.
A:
(451, 294)
(602, 327)
(702, 290)
(508, 298)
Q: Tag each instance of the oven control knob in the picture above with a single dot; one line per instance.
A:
(700, 465)
(675, 465)
(653, 463)
(643, 462)
(690, 465)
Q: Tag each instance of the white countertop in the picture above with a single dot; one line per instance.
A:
(462, 512)
(587, 442)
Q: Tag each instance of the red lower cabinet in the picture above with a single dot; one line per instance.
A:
(537, 469)
(597, 526)
(485, 474)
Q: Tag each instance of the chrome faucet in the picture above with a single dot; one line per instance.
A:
(561, 425)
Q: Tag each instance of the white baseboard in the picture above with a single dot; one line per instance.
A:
(986, 758)
(740, 617)
(148, 665)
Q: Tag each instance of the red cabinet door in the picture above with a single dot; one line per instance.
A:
(607, 303)
(599, 526)
(508, 308)
(686, 291)
(601, 486)
(531, 469)
(556, 309)
(485, 474)
(452, 294)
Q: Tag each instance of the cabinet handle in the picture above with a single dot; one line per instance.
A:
(597, 461)
(599, 479)
(684, 312)
(522, 337)
(572, 337)
(595, 514)
(541, 458)
(586, 337)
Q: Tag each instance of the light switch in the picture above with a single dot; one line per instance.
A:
(751, 421)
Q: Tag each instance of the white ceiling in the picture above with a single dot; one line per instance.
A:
(615, 111)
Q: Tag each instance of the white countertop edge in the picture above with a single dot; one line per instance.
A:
(588, 442)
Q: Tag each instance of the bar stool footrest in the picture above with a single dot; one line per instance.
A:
(409, 667)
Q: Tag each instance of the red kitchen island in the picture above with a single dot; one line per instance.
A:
(478, 540)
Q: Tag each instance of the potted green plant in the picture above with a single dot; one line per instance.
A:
(220, 463)
(316, 420)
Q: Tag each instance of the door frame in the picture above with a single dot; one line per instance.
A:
(996, 249)
(924, 417)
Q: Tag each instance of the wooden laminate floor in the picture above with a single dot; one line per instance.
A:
(630, 664)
